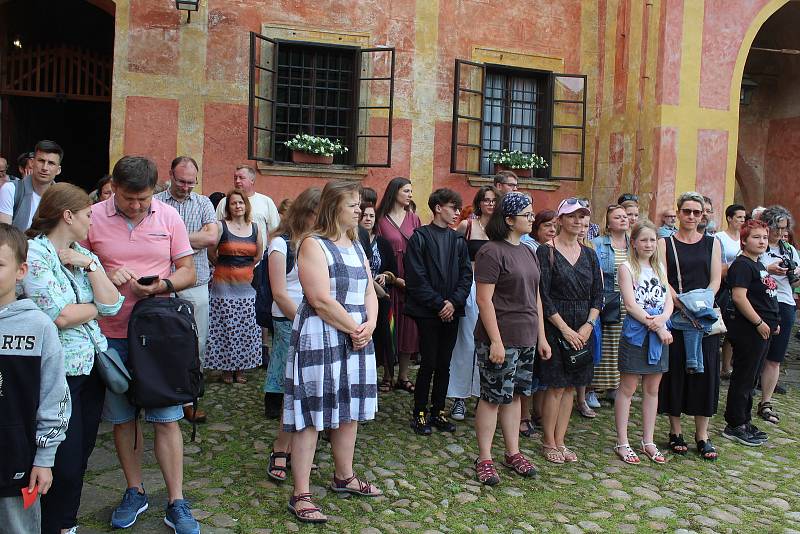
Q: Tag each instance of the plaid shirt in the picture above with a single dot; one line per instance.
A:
(196, 212)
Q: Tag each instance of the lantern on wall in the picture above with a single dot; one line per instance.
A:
(748, 88)
(188, 6)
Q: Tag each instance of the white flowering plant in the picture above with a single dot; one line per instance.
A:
(516, 159)
(320, 146)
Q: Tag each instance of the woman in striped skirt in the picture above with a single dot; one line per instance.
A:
(330, 373)
(612, 251)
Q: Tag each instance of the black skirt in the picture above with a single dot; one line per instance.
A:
(690, 394)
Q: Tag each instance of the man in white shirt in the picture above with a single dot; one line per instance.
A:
(262, 208)
(18, 206)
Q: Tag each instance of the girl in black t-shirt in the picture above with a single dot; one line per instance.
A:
(756, 320)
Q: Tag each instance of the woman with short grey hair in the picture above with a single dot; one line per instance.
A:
(776, 259)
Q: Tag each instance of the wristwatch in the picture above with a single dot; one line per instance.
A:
(92, 267)
(591, 322)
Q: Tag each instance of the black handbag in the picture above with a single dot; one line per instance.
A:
(611, 312)
(574, 360)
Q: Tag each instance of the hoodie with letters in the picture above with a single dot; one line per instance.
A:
(34, 398)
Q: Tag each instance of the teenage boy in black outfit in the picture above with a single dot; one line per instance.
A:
(438, 280)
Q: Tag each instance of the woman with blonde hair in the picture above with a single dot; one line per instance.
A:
(330, 373)
(645, 294)
(67, 282)
(234, 337)
(287, 294)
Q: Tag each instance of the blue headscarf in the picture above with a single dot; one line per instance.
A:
(513, 203)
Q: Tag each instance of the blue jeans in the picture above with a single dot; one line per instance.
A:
(117, 409)
(15, 519)
(779, 343)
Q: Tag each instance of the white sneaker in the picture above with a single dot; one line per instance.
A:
(73, 530)
(459, 410)
(591, 400)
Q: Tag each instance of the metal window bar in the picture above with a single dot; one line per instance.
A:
(555, 151)
(363, 83)
(261, 66)
(472, 151)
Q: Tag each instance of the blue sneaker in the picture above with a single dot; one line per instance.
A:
(133, 503)
(179, 517)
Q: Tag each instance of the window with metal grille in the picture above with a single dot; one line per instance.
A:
(502, 108)
(344, 93)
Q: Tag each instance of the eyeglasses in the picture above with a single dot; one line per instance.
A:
(489, 200)
(512, 185)
(529, 216)
(687, 212)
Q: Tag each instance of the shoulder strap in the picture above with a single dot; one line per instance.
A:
(677, 263)
(469, 228)
(78, 301)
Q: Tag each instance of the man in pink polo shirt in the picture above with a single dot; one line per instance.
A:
(135, 236)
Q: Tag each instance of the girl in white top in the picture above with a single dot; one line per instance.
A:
(731, 245)
(287, 295)
(644, 288)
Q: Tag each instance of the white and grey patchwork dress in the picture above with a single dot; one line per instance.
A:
(328, 382)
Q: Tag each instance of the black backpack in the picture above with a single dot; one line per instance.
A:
(262, 286)
(163, 353)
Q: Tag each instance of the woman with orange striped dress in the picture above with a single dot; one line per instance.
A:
(234, 337)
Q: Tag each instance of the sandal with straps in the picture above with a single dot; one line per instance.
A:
(768, 413)
(302, 514)
(553, 455)
(521, 465)
(656, 457)
(626, 453)
(386, 385)
(487, 474)
(529, 428)
(706, 450)
(282, 469)
(405, 385)
(341, 486)
(568, 454)
(677, 444)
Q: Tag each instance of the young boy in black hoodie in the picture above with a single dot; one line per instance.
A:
(438, 280)
(34, 399)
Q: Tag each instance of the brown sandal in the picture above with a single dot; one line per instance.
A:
(553, 455)
(239, 378)
(282, 469)
(302, 514)
(227, 377)
(341, 486)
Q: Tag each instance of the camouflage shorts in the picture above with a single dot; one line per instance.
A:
(500, 382)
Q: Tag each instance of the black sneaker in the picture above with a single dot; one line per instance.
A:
(758, 434)
(740, 434)
(440, 421)
(420, 424)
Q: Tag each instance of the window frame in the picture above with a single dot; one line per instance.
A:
(464, 119)
(359, 111)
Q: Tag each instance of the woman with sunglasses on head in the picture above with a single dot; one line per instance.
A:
(571, 288)
(507, 334)
(612, 251)
(693, 262)
(464, 381)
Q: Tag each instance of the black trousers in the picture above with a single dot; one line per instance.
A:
(436, 342)
(749, 351)
(60, 505)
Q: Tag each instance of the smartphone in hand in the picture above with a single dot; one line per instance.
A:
(147, 280)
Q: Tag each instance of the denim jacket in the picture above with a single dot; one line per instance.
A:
(635, 332)
(605, 254)
(698, 305)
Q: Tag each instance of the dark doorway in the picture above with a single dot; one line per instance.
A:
(55, 83)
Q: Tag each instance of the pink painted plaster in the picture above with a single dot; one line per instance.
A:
(669, 52)
(712, 163)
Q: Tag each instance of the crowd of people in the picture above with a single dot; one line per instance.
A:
(533, 312)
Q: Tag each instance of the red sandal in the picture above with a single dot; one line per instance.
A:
(521, 465)
(341, 486)
(487, 474)
(302, 513)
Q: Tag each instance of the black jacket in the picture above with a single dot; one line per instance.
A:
(388, 261)
(429, 282)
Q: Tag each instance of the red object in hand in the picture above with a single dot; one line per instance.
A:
(29, 498)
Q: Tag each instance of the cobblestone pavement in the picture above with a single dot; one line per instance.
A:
(430, 482)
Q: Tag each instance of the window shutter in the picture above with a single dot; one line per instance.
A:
(468, 88)
(261, 108)
(568, 126)
(374, 107)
